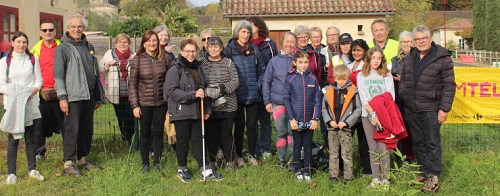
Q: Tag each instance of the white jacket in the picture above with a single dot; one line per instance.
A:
(112, 78)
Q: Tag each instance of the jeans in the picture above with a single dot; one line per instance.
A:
(301, 139)
(188, 131)
(152, 126)
(364, 153)
(125, 118)
(265, 130)
(219, 131)
(29, 136)
(250, 112)
(78, 129)
(282, 131)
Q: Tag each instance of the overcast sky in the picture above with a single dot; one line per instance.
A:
(203, 2)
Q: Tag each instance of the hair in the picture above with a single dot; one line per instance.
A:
(333, 27)
(382, 69)
(185, 42)
(380, 20)
(122, 36)
(216, 41)
(299, 54)
(341, 71)
(45, 21)
(145, 37)
(259, 23)
(361, 43)
(422, 29)
(241, 25)
(302, 29)
(161, 28)
(404, 34)
(207, 31)
(16, 35)
(317, 29)
(290, 33)
(85, 24)
(195, 38)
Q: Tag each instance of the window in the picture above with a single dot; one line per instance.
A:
(10, 22)
(57, 20)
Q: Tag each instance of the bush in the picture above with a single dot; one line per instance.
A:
(133, 26)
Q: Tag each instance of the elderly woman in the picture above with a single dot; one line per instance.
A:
(268, 49)
(164, 36)
(184, 87)
(115, 65)
(222, 78)
(272, 90)
(147, 75)
(250, 66)
(203, 52)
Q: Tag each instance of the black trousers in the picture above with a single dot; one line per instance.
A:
(364, 153)
(188, 131)
(78, 129)
(29, 136)
(51, 122)
(250, 113)
(125, 118)
(219, 131)
(152, 126)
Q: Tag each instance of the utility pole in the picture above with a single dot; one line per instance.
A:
(444, 18)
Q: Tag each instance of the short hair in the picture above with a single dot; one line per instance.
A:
(14, 37)
(161, 28)
(216, 41)
(341, 71)
(422, 29)
(302, 29)
(380, 20)
(84, 21)
(299, 54)
(185, 42)
(381, 70)
(241, 25)
(259, 23)
(334, 28)
(207, 31)
(290, 33)
(317, 29)
(405, 34)
(122, 36)
(145, 37)
(361, 43)
(195, 38)
(45, 21)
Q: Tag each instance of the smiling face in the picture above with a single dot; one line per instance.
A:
(358, 53)
(214, 51)
(122, 45)
(345, 47)
(243, 36)
(303, 40)
(332, 37)
(406, 43)
(376, 60)
(204, 39)
(289, 44)
(422, 41)
(151, 45)
(316, 38)
(379, 32)
(301, 64)
(189, 52)
(76, 28)
(19, 44)
(47, 31)
(163, 36)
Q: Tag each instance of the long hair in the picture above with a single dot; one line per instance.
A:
(16, 35)
(259, 23)
(147, 35)
(381, 70)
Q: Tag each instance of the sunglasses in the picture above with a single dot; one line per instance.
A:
(205, 39)
(45, 30)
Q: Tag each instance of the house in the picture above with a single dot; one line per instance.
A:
(350, 16)
(25, 15)
(445, 34)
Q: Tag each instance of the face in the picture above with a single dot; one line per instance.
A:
(76, 28)
(289, 44)
(189, 52)
(376, 60)
(422, 41)
(255, 29)
(358, 53)
(316, 38)
(122, 45)
(19, 44)
(163, 36)
(303, 40)
(379, 32)
(152, 44)
(332, 37)
(341, 82)
(302, 64)
(406, 43)
(47, 31)
(214, 51)
(345, 47)
(205, 37)
(243, 36)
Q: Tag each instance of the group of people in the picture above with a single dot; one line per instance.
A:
(383, 89)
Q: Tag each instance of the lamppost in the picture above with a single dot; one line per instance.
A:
(444, 18)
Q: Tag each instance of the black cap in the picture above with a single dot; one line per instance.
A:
(345, 37)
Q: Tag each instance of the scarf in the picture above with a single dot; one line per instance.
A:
(244, 50)
(192, 68)
(257, 41)
(401, 55)
(333, 48)
(163, 46)
(123, 57)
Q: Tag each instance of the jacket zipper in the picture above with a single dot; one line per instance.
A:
(154, 81)
(304, 92)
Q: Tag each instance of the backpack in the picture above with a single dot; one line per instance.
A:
(9, 59)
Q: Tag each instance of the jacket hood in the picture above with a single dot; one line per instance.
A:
(284, 56)
(67, 38)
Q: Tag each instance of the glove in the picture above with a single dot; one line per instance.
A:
(213, 91)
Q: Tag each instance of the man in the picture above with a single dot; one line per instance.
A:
(332, 41)
(52, 117)
(79, 93)
(380, 32)
(427, 88)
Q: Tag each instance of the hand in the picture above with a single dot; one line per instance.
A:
(369, 109)
(96, 106)
(169, 48)
(200, 93)
(137, 112)
(269, 108)
(206, 116)
(342, 125)
(334, 124)
(314, 124)
(30, 97)
(442, 116)
(63, 104)
(294, 124)
(375, 121)
(110, 63)
(397, 77)
(34, 91)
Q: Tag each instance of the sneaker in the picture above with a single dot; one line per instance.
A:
(281, 143)
(307, 177)
(281, 164)
(220, 154)
(419, 178)
(251, 160)
(291, 166)
(145, 168)
(12, 179)
(183, 175)
(431, 184)
(374, 183)
(85, 163)
(41, 151)
(266, 155)
(157, 167)
(36, 175)
(299, 176)
(39, 157)
(70, 169)
(212, 165)
(239, 162)
(333, 179)
(230, 166)
(211, 175)
(385, 184)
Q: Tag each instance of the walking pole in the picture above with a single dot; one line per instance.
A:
(203, 139)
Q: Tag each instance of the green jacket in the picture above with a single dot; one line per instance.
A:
(391, 49)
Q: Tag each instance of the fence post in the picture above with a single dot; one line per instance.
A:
(490, 57)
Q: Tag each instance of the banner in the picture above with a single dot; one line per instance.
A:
(477, 99)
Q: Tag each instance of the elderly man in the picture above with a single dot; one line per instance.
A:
(427, 88)
(380, 32)
(79, 92)
(52, 117)
(332, 41)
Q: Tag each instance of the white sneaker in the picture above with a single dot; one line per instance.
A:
(12, 179)
(385, 184)
(36, 175)
(39, 157)
(299, 176)
(307, 177)
(266, 155)
(251, 160)
(375, 183)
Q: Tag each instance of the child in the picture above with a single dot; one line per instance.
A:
(302, 87)
(374, 80)
(341, 110)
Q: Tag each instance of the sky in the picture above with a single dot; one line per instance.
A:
(203, 2)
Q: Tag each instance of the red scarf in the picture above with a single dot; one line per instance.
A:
(123, 62)
(257, 41)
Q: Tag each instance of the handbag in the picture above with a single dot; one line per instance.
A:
(49, 94)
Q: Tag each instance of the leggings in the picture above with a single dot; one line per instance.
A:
(154, 116)
(29, 139)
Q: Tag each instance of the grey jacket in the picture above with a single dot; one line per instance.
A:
(352, 110)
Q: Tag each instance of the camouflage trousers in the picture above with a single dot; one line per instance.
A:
(343, 140)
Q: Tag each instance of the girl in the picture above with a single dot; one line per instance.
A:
(302, 87)
(374, 80)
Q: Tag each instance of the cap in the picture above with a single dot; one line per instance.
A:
(345, 37)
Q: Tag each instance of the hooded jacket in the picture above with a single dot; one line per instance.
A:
(351, 107)
(274, 78)
(302, 96)
(268, 50)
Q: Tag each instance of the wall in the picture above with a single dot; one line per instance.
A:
(438, 37)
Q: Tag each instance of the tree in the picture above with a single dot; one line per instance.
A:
(114, 2)
(467, 35)
(452, 5)
(409, 14)
(100, 21)
(134, 26)
(486, 26)
(179, 21)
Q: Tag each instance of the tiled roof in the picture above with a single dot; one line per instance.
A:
(460, 24)
(235, 8)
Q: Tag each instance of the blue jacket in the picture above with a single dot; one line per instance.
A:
(250, 69)
(268, 50)
(274, 78)
(302, 96)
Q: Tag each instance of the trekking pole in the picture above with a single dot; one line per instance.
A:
(203, 139)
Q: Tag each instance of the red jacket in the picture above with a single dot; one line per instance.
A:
(391, 120)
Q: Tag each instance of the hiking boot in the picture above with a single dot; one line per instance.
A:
(251, 160)
(183, 175)
(230, 166)
(239, 162)
(385, 184)
(299, 176)
(36, 175)
(419, 178)
(374, 183)
(307, 177)
(210, 175)
(11, 179)
(333, 179)
(281, 164)
(85, 163)
(431, 184)
(346, 181)
(157, 167)
(145, 168)
(70, 169)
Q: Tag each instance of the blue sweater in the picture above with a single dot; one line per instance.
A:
(302, 96)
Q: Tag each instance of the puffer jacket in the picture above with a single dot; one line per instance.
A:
(268, 50)
(435, 90)
(302, 96)
(250, 69)
(147, 76)
(351, 105)
(274, 78)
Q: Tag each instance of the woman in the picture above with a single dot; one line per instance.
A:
(303, 34)
(20, 80)
(222, 79)
(164, 35)
(184, 87)
(272, 90)
(268, 49)
(203, 52)
(250, 66)
(147, 75)
(357, 54)
(115, 66)
(345, 41)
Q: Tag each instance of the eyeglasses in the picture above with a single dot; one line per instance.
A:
(205, 39)
(123, 42)
(190, 51)
(406, 42)
(332, 35)
(423, 39)
(74, 26)
(316, 37)
(303, 37)
(45, 30)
